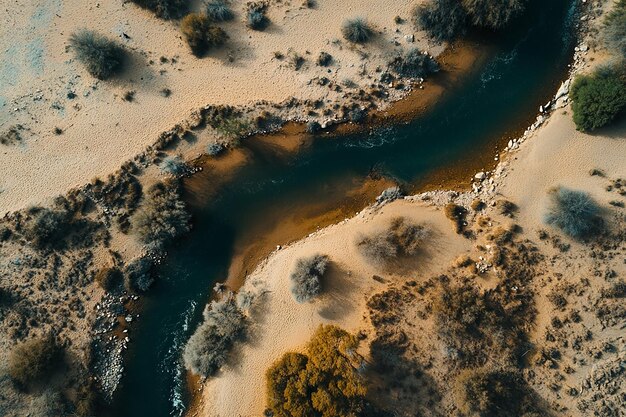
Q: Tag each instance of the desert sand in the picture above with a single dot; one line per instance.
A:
(101, 130)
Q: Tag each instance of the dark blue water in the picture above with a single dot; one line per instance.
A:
(528, 62)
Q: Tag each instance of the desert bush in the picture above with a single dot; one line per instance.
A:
(34, 361)
(494, 393)
(598, 99)
(12, 135)
(457, 214)
(324, 59)
(443, 20)
(138, 275)
(219, 11)
(101, 56)
(401, 238)
(165, 9)
(324, 382)
(493, 14)
(614, 31)
(256, 16)
(574, 212)
(208, 348)
(357, 30)
(200, 34)
(174, 165)
(215, 148)
(306, 277)
(162, 217)
(58, 229)
(414, 64)
(49, 403)
(108, 278)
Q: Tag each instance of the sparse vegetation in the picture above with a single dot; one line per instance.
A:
(101, 56)
(256, 16)
(138, 275)
(200, 34)
(174, 165)
(457, 214)
(324, 382)
(324, 59)
(415, 64)
(493, 14)
(108, 278)
(165, 9)
(599, 98)
(306, 278)
(11, 136)
(162, 217)
(574, 212)
(443, 20)
(34, 360)
(614, 33)
(357, 30)
(219, 11)
(207, 349)
(402, 238)
(215, 148)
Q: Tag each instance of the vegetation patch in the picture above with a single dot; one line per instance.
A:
(402, 238)
(165, 9)
(200, 34)
(306, 278)
(34, 361)
(219, 11)
(102, 57)
(614, 33)
(357, 30)
(574, 212)
(414, 64)
(443, 20)
(256, 16)
(12, 135)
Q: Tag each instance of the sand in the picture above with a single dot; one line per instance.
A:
(101, 131)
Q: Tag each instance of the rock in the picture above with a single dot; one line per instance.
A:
(410, 38)
(563, 89)
(480, 176)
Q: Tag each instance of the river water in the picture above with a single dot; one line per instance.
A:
(330, 179)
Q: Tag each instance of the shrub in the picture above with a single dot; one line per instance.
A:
(101, 56)
(215, 148)
(443, 20)
(174, 165)
(574, 212)
(324, 59)
(323, 382)
(414, 64)
(598, 98)
(457, 214)
(47, 404)
(256, 17)
(34, 360)
(614, 33)
(218, 11)
(165, 9)
(199, 33)
(493, 14)
(306, 278)
(138, 275)
(162, 217)
(400, 239)
(357, 30)
(207, 349)
(58, 229)
(108, 278)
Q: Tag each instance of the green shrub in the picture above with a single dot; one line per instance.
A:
(574, 212)
(34, 361)
(219, 11)
(101, 56)
(306, 278)
(443, 20)
(614, 33)
(493, 14)
(199, 33)
(598, 99)
(357, 30)
(324, 382)
(165, 9)
(414, 64)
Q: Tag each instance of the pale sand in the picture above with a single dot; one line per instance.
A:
(101, 130)
(281, 324)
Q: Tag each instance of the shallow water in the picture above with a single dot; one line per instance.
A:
(330, 179)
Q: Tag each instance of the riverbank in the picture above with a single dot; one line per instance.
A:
(550, 153)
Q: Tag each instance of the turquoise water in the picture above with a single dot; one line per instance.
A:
(528, 62)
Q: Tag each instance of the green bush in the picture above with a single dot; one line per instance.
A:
(493, 14)
(598, 99)
(101, 56)
(614, 33)
(34, 361)
(414, 64)
(165, 9)
(219, 11)
(574, 212)
(200, 34)
(357, 30)
(324, 382)
(443, 20)
(306, 278)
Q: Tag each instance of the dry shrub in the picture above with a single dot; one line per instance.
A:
(401, 239)
(200, 34)
(306, 278)
(108, 278)
(457, 214)
(102, 57)
(34, 361)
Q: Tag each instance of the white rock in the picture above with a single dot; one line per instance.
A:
(480, 176)
(410, 38)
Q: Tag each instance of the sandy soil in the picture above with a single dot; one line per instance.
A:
(100, 130)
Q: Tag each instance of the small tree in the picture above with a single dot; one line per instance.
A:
(614, 33)
(598, 98)
(306, 278)
(443, 20)
(493, 14)
(34, 360)
(357, 30)
(101, 56)
(574, 212)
